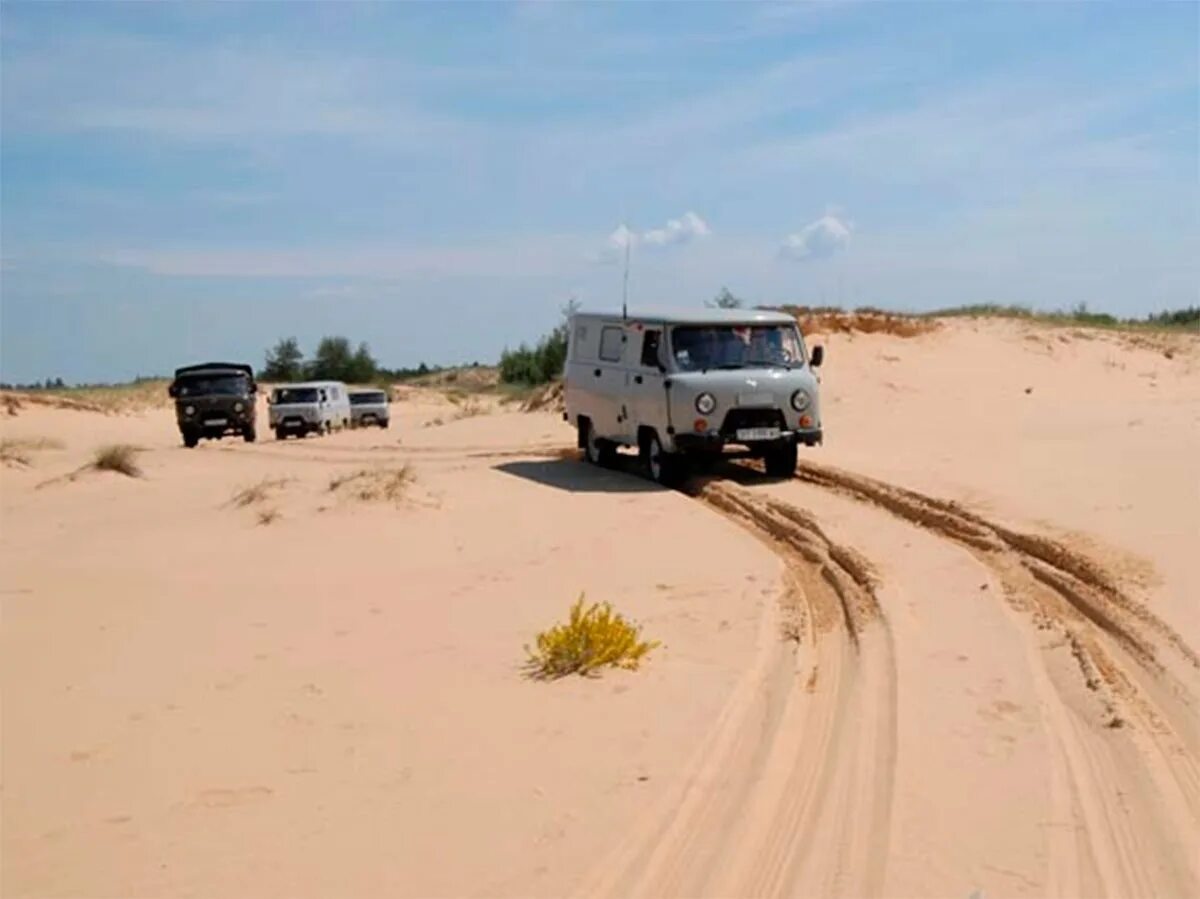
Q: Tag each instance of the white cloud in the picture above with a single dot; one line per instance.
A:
(686, 228)
(680, 230)
(620, 239)
(821, 239)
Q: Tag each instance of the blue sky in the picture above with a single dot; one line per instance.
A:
(184, 182)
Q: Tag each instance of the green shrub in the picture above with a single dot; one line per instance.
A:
(594, 637)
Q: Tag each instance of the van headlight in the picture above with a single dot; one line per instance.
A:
(801, 400)
(238, 407)
(189, 410)
(705, 403)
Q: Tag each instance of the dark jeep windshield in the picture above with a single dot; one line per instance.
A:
(699, 347)
(285, 395)
(365, 399)
(213, 385)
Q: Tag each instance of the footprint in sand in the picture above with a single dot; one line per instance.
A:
(225, 798)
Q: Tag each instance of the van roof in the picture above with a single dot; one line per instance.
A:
(214, 368)
(698, 316)
(291, 384)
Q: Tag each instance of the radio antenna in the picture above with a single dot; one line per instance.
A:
(625, 286)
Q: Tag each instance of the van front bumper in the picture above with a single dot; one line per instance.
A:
(714, 442)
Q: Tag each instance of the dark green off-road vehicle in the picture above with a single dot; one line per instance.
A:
(213, 399)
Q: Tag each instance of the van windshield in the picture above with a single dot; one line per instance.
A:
(213, 385)
(286, 395)
(701, 347)
(365, 399)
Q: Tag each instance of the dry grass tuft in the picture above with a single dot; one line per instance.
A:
(469, 408)
(257, 493)
(268, 516)
(550, 397)
(594, 637)
(119, 457)
(374, 484)
(18, 451)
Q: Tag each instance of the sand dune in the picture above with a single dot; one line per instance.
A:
(956, 653)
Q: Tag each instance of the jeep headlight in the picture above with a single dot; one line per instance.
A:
(705, 403)
(801, 400)
(238, 407)
(189, 410)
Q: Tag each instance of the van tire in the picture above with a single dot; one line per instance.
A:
(667, 469)
(596, 450)
(280, 434)
(249, 434)
(780, 461)
(190, 439)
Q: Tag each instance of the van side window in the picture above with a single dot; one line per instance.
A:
(650, 349)
(612, 344)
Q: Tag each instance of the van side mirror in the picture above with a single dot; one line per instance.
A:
(173, 390)
(818, 356)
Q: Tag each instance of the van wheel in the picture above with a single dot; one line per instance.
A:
(781, 460)
(596, 450)
(667, 469)
(190, 439)
(280, 434)
(249, 434)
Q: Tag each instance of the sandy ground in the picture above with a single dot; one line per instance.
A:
(955, 654)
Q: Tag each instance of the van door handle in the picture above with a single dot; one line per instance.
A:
(596, 372)
(637, 379)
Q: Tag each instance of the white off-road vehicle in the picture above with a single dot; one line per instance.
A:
(681, 384)
(369, 408)
(312, 406)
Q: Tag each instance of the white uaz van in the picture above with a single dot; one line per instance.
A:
(299, 409)
(369, 407)
(685, 383)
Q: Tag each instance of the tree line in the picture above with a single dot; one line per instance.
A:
(333, 360)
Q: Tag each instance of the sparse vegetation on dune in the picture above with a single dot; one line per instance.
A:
(594, 637)
(831, 320)
(374, 484)
(19, 451)
(120, 458)
(268, 516)
(1187, 319)
(258, 493)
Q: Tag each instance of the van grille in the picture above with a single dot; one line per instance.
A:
(752, 418)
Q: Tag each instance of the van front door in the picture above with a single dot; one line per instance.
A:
(647, 392)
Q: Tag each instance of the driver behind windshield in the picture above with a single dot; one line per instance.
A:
(214, 385)
(702, 348)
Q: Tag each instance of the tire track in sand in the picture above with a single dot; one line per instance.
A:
(1130, 782)
(791, 793)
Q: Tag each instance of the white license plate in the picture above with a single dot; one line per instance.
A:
(758, 433)
(213, 422)
(755, 399)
